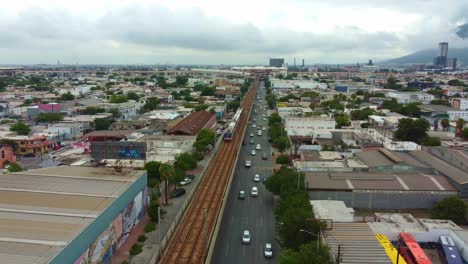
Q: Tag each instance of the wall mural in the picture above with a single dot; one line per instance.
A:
(115, 235)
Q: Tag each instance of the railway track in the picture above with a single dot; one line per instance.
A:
(191, 240)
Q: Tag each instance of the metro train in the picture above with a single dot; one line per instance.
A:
(231, 129)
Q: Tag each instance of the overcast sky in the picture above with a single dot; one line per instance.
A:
(223, 32)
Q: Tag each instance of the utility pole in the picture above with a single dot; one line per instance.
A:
(159, 224)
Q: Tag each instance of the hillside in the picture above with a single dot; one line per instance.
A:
(426, 56)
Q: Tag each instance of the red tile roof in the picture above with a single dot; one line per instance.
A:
(192, 124)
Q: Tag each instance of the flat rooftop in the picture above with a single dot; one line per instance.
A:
(348, 181)
(331, 209)
(42, 210)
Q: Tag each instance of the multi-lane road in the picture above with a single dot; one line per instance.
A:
(255, 214)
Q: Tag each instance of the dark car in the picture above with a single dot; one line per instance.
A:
(178, 192)
(191, 176)
(264, 156)
(30, 155)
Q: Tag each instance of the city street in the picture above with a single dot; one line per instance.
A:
(255, 214)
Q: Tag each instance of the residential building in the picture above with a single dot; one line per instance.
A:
(128, 110)
(411, 97)
(6, 155)
(64, 131)
(434, 113)
(460, 103)
(165, 148)
(68, 214)
(32, 145)
(284, 112)
(308, 126)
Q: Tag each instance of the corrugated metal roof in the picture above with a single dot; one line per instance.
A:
(357, 244)
(192, 124)
(43, 210)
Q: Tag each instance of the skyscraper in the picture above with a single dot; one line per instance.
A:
(443, 47)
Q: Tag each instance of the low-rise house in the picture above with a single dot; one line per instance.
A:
(6, 155)
(65, 131)
(411, 97)
(32, 145)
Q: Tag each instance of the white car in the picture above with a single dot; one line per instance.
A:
(251, 134)
(185, 181)
(254, 125)
(257, 178)
(253, 152)
(248, 163)
(264, 119)
(268, 251)
(246, 237)
(258, 147)
(254, 191)
(264, 128)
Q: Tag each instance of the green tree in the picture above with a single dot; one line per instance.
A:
(161, 81)
(186, 161)
(118, 99)
(51, 117)
(362, 114)
(181, 80)
(13, 167)
(208, 91)
(167, 173)
(391, 105)
(67, 96)
(92, 110)
(432, 141)
(9, 142)
(450, 208)
(283, 160)
(20, 128)
(152, 168)
(133, 96)
(282, 143)
(233, 105)
(102, 124)
(445, 124)
(412, 130)
(411, 109)
(3, 86)
(393, 83)
(465, 133)
(204, 138)
(27, 102)
(274, 118)
(282, 181)
(201, 107)
(115, 112)
(341, 120)
(151, 104)
(307, 254)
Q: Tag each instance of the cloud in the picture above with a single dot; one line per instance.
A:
(155, 32)
(463, 31)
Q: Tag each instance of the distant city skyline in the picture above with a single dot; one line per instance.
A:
(224, 32)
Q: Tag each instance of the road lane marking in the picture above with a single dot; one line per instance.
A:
(243, 250)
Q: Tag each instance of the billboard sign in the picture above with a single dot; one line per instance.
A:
(118, 150)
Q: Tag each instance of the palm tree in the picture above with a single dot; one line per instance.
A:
(167, 172)
(445, 124)
(459, 127)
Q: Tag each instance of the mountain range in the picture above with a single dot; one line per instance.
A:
(427, 56)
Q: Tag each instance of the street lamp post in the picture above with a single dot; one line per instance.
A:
(317, 236)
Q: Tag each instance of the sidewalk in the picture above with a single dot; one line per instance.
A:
(158, 239)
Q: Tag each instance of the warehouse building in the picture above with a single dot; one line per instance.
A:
(389, 180)
(68, 214)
